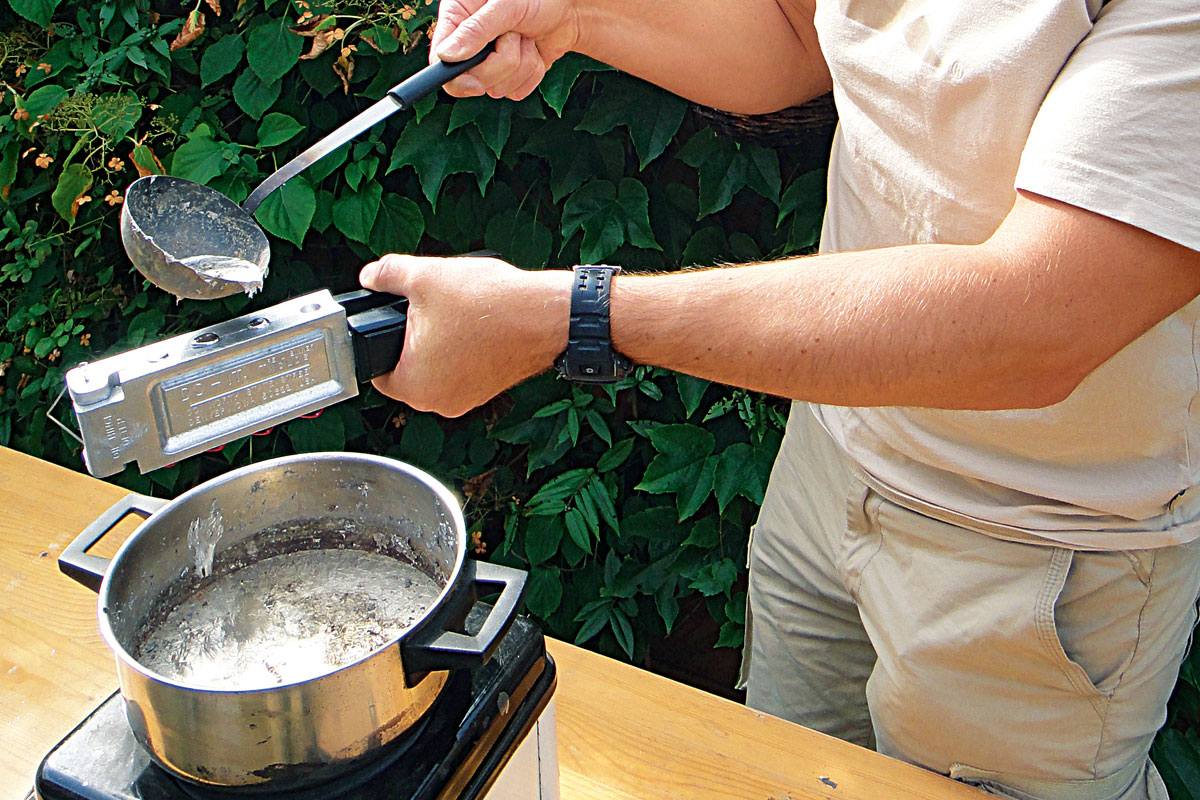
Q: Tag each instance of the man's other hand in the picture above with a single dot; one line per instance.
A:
(530, 36)
(476, 326)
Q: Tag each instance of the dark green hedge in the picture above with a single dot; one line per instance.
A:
(624, 502)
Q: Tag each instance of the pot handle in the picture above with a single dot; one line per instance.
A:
(88, 569)
(435, 647)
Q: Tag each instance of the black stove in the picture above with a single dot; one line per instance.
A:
(456, 751)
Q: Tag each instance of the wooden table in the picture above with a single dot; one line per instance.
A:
(623, 733)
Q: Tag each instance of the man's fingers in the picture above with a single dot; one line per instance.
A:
(529, 67)
(491, 21)
(450, 15)
(389, 274)
(495, 68)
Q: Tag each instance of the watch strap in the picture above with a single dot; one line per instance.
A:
(590, 357)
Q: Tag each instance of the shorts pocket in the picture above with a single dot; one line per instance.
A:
(1089, 616)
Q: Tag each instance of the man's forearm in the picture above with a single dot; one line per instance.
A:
(1015, 322)
(920, 326)
(746, 57)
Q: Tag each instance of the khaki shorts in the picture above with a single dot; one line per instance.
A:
(1032, 671)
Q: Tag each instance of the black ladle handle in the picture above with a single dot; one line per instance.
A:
(435, 76)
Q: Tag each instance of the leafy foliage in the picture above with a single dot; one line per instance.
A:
(622, 501)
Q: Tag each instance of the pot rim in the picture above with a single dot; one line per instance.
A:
(450, 502)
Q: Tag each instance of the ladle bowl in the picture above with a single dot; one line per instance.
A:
(196, 243)
(192, 241)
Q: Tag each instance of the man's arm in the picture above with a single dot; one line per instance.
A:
(1014, 322)
(746, 56)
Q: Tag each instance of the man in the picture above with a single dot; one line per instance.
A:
(978, 549)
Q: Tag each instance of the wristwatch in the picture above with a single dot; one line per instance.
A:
(590, 357)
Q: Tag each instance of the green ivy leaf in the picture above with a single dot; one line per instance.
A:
(691, 392)
(735, 608)
(1177, 756)
(667, 605)
(716, 578)
(553, 495)
(354, 213)
(609, 217)
(519, 239)
(276, 128)
(545, 590)
(594, 617)
(201, 158)
(577, 529)
(221, 58)
(598, 497)
(804, 199)
(556, 85)
(651, 115)
(42, 101)
(38, 12)
(8, 164)
(615, 456)
(706, 247)
(272, 49)
(252, 95)
(320, 434)
(742, 469)
(622, 630)
(398, 226)
(429, 147)
(116, 114)
(542, 538)
(682, 451)
(327, 165)
(688, 501)
(725, 167)
(492, 118)
(75, 180)
(288, 211)
(143, 157)
(732, 635)
(575, 156)
(704, 534)
(422, 441)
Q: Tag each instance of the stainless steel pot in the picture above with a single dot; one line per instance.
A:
(311, 730)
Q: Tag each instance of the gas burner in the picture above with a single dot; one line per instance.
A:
(460, 749)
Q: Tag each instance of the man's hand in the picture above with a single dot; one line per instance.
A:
(530, 36)
(749, 57)
(476, 326)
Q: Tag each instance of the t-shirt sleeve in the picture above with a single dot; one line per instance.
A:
(1119, 131)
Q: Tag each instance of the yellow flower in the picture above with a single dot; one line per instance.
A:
(21, 69)
(44, 67)
(43, 160)
(54, 355)
(114, 198)
(20, 114)
(116, 164)
(87, 198)
(86, 339)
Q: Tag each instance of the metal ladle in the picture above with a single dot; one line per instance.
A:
(196, 243)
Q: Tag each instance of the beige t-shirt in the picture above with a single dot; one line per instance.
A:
(946, 107)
